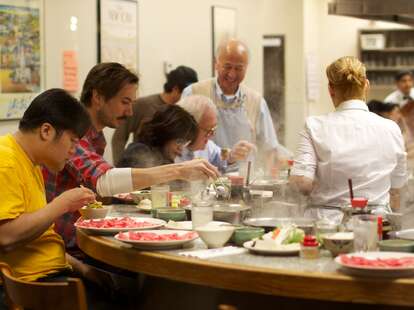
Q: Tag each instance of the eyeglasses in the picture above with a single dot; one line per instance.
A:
(209, 132)
(182, 142)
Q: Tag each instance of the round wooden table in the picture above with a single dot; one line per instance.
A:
(247, 277)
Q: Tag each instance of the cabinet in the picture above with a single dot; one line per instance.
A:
(385, 52)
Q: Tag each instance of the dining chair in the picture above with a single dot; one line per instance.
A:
(21, 294)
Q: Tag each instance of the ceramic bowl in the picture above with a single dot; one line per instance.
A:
(173, 214)
(215, 236)
(396, 245)
(339, 243)
(243, 234)
(94, 213)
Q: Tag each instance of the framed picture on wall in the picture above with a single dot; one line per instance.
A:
(224, 26)
(117, 32)
(21, 55)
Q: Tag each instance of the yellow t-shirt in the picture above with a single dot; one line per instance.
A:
(22, 191)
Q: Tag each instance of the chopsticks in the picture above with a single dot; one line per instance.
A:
(351, 191)
(249, 167)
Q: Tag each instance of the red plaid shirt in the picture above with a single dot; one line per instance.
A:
(85, 167)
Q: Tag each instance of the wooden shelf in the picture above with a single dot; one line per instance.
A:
(391, 50)
(383, 64)
(396, 69)
(381, 86)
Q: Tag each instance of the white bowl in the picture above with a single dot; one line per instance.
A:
(215, 236)
(94, 213)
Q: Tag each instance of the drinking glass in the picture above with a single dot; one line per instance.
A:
(159, 195)
(365, 232)
(201, 213)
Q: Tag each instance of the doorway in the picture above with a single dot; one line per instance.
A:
(274, 81)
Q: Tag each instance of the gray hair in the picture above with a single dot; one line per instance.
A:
(197, 105)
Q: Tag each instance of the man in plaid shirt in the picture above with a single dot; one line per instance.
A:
(108, 93)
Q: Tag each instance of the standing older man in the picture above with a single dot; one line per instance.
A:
(242, 113)
(205, 113)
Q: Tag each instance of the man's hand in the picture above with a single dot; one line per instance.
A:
(198, 169)
(74, 199)
(240, 151)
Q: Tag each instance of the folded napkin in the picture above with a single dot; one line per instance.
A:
(211, 253)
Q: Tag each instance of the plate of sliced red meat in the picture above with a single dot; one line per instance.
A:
(157, 239)
(386, 264)
(112, 225)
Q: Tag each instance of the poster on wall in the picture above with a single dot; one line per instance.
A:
(118, 32)
(21, 64)
(224, 26)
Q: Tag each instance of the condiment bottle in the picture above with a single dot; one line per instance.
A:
(309, 248)
(380, 224)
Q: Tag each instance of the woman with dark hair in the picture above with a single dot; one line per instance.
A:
(391, 111)
(161, 139)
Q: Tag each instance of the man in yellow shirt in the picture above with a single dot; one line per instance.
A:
(48, 133)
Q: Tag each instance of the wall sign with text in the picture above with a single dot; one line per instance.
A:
(117, 41)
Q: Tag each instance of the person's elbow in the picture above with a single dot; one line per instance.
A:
(7, 244)
(301, 183)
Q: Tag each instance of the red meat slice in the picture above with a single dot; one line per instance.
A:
(121, 222)
(358, 261)
(148, 236)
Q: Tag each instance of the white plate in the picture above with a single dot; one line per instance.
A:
(284, 249)
(407, 234)
(188, 225)
(159, 245)
(377, 271)
(113, 230)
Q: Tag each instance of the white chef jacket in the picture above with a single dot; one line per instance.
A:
(351, 143)
(398, 97)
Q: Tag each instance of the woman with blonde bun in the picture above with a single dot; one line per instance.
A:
(349, 143)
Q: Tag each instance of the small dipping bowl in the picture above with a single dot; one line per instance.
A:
(243, 234)
(173, 214)
(396, 245)
(338, 243)
(94, 213)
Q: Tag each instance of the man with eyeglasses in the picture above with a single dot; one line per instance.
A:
(205, 114)
(242, 113)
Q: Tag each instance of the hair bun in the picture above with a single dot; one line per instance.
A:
(354, 78)
(348, 76)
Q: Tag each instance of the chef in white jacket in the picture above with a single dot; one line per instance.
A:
(349, 143)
